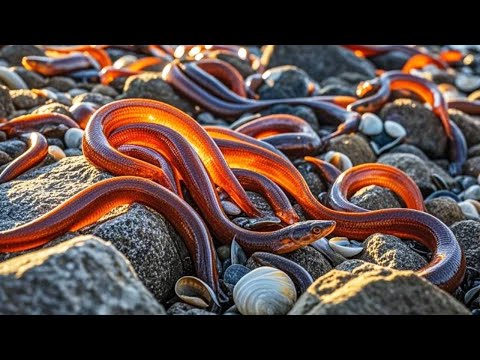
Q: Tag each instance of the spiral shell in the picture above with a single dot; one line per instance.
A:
(264, 291)
(344, 247)
(338, 159)
(195, 292)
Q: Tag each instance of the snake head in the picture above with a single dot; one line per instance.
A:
(306, 232)
(368, 87)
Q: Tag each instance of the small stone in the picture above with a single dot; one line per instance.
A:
(472, 166)
(73, 138)
(312, 179)
(284, 82)
(311, 260)
(180, 308)
(223, 252)
(391, 60)
(374, 290)
(445, 209)
(371, 124)
(474, 151)
(468, 235)
(234, 273)
(61, 83)
(394, 129)
(53, 107)
(151, 86)
(375, 198)
(14, 148)
(467, 83)
(95, 98)
(301, 111)
(469, 126)
(466, 181)
(414, 167)
(73, 152)
(26, 99)
(85, 275)
(474, 96)
(409, 149)
(355, 147)
(76, 91)
(15, 53)
(390, 251)
(105, 90)
(468, 209)
(4, 158)
(230, 208)
(473, 192)
(243, 66)
(3, 136)
(56, 142)
(33, 80)
(56, 152)
(423, 128)
(6, 104)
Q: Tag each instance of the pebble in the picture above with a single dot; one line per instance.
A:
(56, 152)
(355, 147)
(73, 152)
(230, 208)
(73, 138)
(394, 129)
(234, 273)
(445, 209)
(371, 124)
(473, 192)
(467, 83)
(468, 209)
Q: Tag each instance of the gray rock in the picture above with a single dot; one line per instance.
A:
(469, 126)
(301, 111)
(85, 275)
(53, 107)
(61, 83)
(243, 66)
(73, 152)
(311, 260)
(151, 86)
(312, 179)
(374, 290)
(180, 308)
(355, 147)
(414, 167)
(4, 158)
(56, 142)
(321, 61)
(284, 82)
(105, 90)
(95, 98)
(418, 121)
(15, 53)
(390, 251)
(409, 149)
(13, 148)
(392, 60)
(472, 166)
(26, 99)
(335, 86)
(445, 209)
(156, 252)
(474, 151)
(375, 198)
(468, 235)
(33, 80)
(6, 104)
(350, 265)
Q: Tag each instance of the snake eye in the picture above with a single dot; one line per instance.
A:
(316, 229)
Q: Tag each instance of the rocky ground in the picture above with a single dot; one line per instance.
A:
(129, 261)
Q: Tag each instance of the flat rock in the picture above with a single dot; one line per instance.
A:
(6, 104)
(424, 129)
(53, 107)
(31, 78)
(15, 53)
(375, 198)
(445, 209)
(355, 147)
(374, 290)
(14, 148)
(468, 235)
(26, 99)
(284, 82)
(469, 126)
(390, 251)
(472, 166)
(151, 86)
(85, 275)
(156, 252)
(321, 61)
(414, 167)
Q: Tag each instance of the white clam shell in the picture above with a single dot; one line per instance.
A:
(394, 129)
(56, 152)
(124, 61)
(471, 294)
(73, 138)
(264, 291)
(338, 159)
(371, 124)
(195, 292)
(468, 208)
(344, 247)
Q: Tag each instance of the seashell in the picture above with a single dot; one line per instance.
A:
(475, 203)
(467, 83)
(472, 294)
(443, 193)
(339, 160)
(73, 138)
(234, 273)
(465, 181)
(124, 61)
(223, 252)
(439, 182)
(380, 150)
(473, 192)
(344, 247)
(370, 124)
(226, 264)
(394, 129)
(232, 310)
(230, 208)
(237, 255)
(195, 292)
(468, 209)
(322, 246)
(256, 223)
(264, 291)
(56, 152)
(382, 139)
